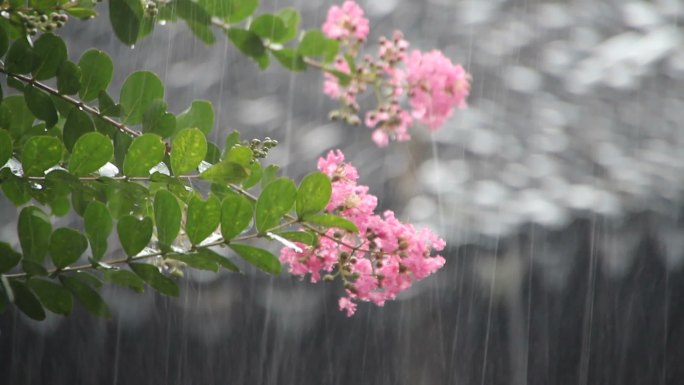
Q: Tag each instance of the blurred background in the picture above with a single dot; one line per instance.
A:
(558, 191)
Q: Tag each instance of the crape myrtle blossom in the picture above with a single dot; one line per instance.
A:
(433, 84)
(383, 259)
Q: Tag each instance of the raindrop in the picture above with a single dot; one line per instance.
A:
(162, 22)
(132, 46)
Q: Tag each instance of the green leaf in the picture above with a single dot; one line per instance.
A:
(213, 153)
(330, 220)
(88, 278)
(250, 44)
(19, 116)
(8, 257)
(33, 268)
(87, 296)
(313, 194)
(81, 12)
(240, 154)
(299, 236)
(199, 115)
(41, 105)
(21, 59)
(167, 216)
(137, 93)
(16, 189)
(270, 173)
(231, 140)
(154, 278)
(77, 124)
(191, 12)
(145, 152)
(98, 226)
(68, 78)
(40, 153)
(96, 73)
(122, 142)
(196, 260)
(157, 120)
(255, 175)
(231, 10)
(51, 52)
(188, 149)
(126, 17)
(134, 233)
(314, 43)
(66, 246)
(236, 215)
(4, 41)
(202, 32)
(269, 27)
(291, 19)
(108, 107)
(125, 278)
(274, 202)
(208, 254)
(53, 296)
(202, 218)
(260, 258)
(26, 301)
(92, 151)
(5, 147)
(290, 59)
(225, 172)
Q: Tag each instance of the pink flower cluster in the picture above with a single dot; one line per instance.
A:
(383, 259)
(433, 84)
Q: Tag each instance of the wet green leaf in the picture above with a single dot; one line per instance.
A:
(137, 93)
(98, 226)
(250, 44)
(290, 59)
(188, 149)
(50, 52)
(87, 296)
(4, 41)
(27, 301)
(299, 236)
(145, 152)
(40, 153)
(199, 115)
(202, 218)
(291, 19)
(154, 278)
(68, 78)
(225, 172)
(21, 59)
(313, 194)
(269, 27)
(260, 258)
(134, 233)
(96, 73)
(18, 115)
(91, 151)
(5, 147)
(126, 17)
(167, 216)
(275, 201)
(66, 246)
(53, 296)
(231, 10)
(236, 215)
(77, 124)
(8, 257)
(41, 105)
(125, 278)
(330, 220)
(157, 120)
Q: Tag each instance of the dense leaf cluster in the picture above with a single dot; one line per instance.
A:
(127, 166)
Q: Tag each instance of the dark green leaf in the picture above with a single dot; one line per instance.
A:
(199, 115)
(21, 59)
(26, 301)
(81, 12)
(313, 194)
(167, 216)
(19, 116)
(98, 226)
(122, 142)
(330, 220)
(217, 258)
(225, 172)
(88, 278)
(15, 189)
(213, 153)
(231, 10)
(202, 218)
(40, 153)
(91, 151)
(66, 246)
(240, 154)
(202, 32)
(41, 105)
(8, 257)
(236, 215)
(51, 52)
(126, 17)
(313, 43)
(68, 78)
(255, 175)
(125, 278)
(5, 147)
(188, 149)
(137, 93)
(154, 278)
(157, 120)
(260, 258)
(107, 106)
(196, 260)
(145, 152)
(274, 202)
(269, 27)
(4, 41)
(231, 140)
(33, 268)
(96, 73)
(299, 236)
(290, 59)
(250, 44)
(134, 233)
(76, 124)
(87, 296)
(54, 297)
